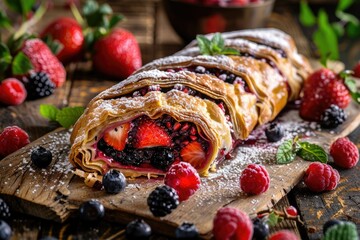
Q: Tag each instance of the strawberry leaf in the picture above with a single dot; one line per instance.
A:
(312, 152)
(21, 64)
(69, 115)
(49, 111)
(115, 19)
(306, 17)
(215, 46)
(5, 57)
(342, 231)
(4, 20)
(286, 152)
(54, 45)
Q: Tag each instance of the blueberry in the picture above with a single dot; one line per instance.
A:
(261, 229)
(114, 181)
(5, 230)
(41, 157)
(200, 69)
(4, 210)
(91, 210)
(330, 223)
(274, 132)
(138, 230)
(186, 231)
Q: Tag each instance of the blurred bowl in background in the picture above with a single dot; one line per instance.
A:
(189, 19)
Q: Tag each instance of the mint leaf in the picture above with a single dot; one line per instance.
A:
(286, 152)
(49, 111)
(218, 41)
(69, 115)
(307, 17)
(325, 39)
(350, 83)
(274, 219)
(21, 64)
(5, 57)
(215, 46)
(312, 152)
(342, 231)
(204, 44)
(344, 4)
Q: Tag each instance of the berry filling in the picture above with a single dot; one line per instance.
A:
(152, 144)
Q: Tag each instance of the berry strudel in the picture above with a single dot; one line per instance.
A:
(189, 107)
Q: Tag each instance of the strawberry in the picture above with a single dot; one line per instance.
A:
(116, 137)
(321, 89)
(43, 60)
(239, 2)
(193, 153)
(357, 70)
(12, 92)
(151, 135)
(117, 54)
(69, 33)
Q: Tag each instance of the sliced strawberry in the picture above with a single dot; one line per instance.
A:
(151, 135)
(193, 153)
(116, 137)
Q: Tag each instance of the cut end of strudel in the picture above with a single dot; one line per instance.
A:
(189, 107)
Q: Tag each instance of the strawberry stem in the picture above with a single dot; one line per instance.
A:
(77, 14)
(28, 24)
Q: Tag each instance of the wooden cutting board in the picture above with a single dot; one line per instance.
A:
(55, 193)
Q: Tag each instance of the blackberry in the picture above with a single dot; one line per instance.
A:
(186, 231)
(4, 210)
(5, 230)
(162, 158)
(91, 210)
(330, 223)
(114, 181)
(332, 117)
(162, 201)
(38, 85)
(138, 230)
(261, 229)
(274, 132)
(41, 157)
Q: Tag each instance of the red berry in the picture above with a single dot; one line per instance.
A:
(283, 235)
(254, 179)
(12, 92)
(69, 33)
(117, 54)
(321, 177)
(43, 60)
(11, 139)
(321, 89)
(184, 179)
(231, 223)
(345, 153)
(292, 211)
(357, 70)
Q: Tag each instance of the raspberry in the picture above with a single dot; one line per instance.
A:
(254, 179)
(162, 201)
(292, 211)
(332, 117)
(38, 85)
(184, 179)
(283, 235)
(11, 139)
(345, 153)
(321, 177)
(12, 92)
(231, 223)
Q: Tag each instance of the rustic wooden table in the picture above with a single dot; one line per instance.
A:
(146, 19)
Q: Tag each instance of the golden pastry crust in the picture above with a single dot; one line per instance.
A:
(102, 113)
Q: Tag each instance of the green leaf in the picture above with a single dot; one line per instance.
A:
(55, 45)
(344, 4)
(307, 17)
(105, 9)
(90, 7)
(21, 64)
(89, 39)
(49, 111)
(338, 29)
(4, 20)
(353, 30)
(325, 39)
(286, 152)
(274, 219)
(342, 231)
(350, 83)
(69, 115)
(115, 19)
(20, 6)
(218, 40)
(5, 57)
(312, 152)
(230, 51)
(347, 17)
(204, 44)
